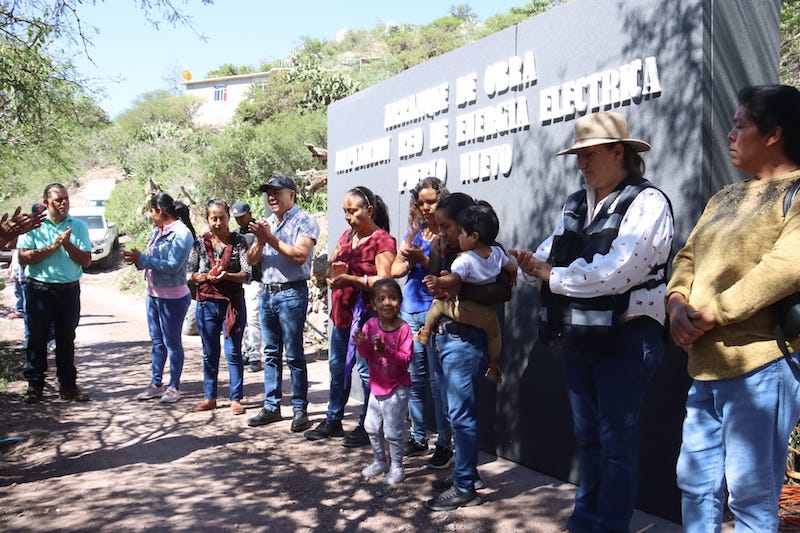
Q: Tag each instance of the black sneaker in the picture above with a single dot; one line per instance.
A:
(441, 485)
(254, 365)
(441, 459)
(356, 438)
(325, 430)
(453, 498)
(300, 421)
(264, 417)
(415, 447)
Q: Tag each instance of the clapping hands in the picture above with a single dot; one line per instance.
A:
(12, 226)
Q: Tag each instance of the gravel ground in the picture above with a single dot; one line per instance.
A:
(117, 464)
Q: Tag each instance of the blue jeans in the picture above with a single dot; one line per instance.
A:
(439, 395)
(337, 358)
(463, 354)
(165, 321)
(50, 307)
(19, 297)
(735, 435)
(21, 308)
(210, 316)
(282, 316)
(606, 393)
(418, 369)
(425, 368)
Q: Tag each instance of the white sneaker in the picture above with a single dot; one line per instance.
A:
(150, 392)
(51, 345)
(171, 395)
(376, 468)
(394, 476)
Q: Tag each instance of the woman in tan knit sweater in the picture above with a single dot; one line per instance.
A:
(741, 257)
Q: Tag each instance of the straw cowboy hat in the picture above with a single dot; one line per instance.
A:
(605, 127)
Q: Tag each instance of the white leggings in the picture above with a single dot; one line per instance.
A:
(387, 423)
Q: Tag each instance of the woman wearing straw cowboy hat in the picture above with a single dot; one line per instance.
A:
(603, 281)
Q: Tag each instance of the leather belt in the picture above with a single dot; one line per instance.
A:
(280, 287)
(453, 328)
(54, 286)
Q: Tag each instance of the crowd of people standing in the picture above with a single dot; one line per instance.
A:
(605, 298)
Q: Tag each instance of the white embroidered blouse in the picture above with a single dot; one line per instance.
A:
(644, 240)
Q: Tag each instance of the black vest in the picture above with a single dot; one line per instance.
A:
(593, 320)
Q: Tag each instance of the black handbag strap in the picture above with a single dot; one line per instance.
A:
(780, 337)
(789, 198)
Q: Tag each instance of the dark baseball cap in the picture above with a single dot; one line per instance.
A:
(239, 208)
(278, 181)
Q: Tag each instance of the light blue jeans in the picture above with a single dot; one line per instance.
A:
(210, 316)
(164, 320)
(463, 353)
(424, 363)
(735, 435)
(418, 369)
(282, 316)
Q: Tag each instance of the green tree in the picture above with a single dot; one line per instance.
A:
(39, 89)
(229, 69)
(790, 42)
(158, 106)
(244, 156)
(46, 109)
(279, 95)
(464, 13)
(515, 16)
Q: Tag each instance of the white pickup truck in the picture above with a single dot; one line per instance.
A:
(104, 234)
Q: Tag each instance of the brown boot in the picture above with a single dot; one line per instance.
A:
(206, 405)
(237, 408)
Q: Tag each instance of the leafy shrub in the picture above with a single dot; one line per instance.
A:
(126, 206)
(243, 156)
(262, 103)
(159, 106)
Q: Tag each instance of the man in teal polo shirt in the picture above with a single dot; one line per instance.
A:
(56, 254)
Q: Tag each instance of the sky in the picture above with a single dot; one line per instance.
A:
(130, 57)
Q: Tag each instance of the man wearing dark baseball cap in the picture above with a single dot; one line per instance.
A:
(284, 245)
(277, 182)
(239, 209)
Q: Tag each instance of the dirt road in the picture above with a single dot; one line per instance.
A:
(115, 464)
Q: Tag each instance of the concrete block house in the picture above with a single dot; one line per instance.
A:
(222, 95)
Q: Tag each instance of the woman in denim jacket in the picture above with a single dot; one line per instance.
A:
(168, 296)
